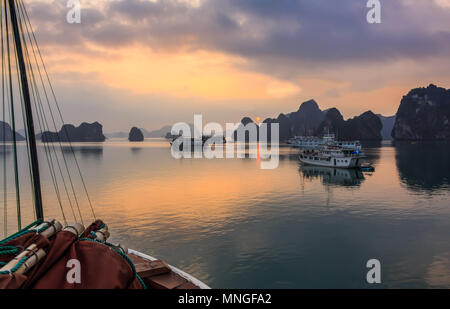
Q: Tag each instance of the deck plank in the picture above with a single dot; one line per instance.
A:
(166, 281)
(145, 268)
(158, 275)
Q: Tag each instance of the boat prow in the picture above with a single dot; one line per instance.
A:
(159, 275)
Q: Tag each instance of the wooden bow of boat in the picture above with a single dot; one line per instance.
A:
(157, 274)
(81, 248)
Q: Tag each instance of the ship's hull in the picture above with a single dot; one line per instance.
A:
(306, 143)
(337, 162)
(177, 272)
(305, 146)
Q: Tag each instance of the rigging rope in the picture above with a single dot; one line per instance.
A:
(51, 168)
(13, 125)
(27, 136)
(5, 185)
(43, 125)
(44, 120)
(35, 45)
(42, 100)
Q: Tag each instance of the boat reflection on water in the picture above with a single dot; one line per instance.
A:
(333, 176)
(5, 150)
(86, 151)
(135, 150)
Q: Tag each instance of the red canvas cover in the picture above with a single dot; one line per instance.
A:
(73, 263)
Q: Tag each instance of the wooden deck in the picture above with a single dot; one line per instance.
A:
(158, 275)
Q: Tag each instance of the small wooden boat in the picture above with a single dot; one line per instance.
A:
(157, 274)
(332, 156)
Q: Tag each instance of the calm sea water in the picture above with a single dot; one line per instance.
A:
(233, 225)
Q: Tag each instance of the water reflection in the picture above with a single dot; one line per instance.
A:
(372, 153)
(5, 153)
(136, 150)
(234, 225)
(438, 272)
(7, 148)
(95, 152)
(333, 176)
(423, 165)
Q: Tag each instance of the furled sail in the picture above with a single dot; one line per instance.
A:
(43, 256)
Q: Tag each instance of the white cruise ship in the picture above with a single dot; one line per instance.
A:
(305, 142)
(312, 142)
(332, 156)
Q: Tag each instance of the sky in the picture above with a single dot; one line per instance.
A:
(150, 63)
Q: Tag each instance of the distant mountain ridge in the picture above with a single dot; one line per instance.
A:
(147, 134)
(366, 126)
(85, 132)
(116, 135)
(302, 122)
(424, 114)
(5, 129)
(309, 120)
(157, 133)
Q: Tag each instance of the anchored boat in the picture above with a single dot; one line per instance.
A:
(332, 156)
(58, 254)
(312, 142)
(305, 142)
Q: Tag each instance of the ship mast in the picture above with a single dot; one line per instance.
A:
(28, 113)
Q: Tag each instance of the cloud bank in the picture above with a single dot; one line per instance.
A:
(291, 41)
